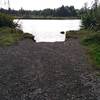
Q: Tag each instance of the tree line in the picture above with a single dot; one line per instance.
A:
(63, 11)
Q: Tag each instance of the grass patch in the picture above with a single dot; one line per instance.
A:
(9, 39)
(82, 34)
(9, 36)
(93, 46)
(94, 53)
(91, 41)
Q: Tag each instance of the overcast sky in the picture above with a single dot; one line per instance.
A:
(42, 4)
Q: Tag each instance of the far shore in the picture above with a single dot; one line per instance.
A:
(49, 18)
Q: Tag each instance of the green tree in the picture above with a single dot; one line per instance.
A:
(91, 17)
(6, 20)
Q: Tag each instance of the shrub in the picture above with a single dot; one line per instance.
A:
(7, 21)
(88, 21)
(91, 18)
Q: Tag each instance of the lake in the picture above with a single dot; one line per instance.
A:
(49, 30)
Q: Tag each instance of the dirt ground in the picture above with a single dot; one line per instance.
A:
(46, 71)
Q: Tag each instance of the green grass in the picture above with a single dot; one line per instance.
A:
(91, 41)
(92, 44)
(8, 36)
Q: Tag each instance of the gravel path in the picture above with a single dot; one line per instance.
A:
(46, 71)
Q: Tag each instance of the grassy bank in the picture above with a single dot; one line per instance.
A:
(10, 32)
(91, 41)
(9, 36)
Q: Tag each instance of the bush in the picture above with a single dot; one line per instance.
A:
(7, 21)
(91, 19)
(88, 21)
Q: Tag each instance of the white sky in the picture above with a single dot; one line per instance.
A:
(42, 4)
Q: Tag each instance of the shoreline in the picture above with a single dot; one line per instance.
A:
(50, 18)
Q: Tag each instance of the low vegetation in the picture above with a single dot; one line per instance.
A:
(9, 36)
(9, 31)
(91, 17)
(91, 42)
(7, 21)
(89, 34)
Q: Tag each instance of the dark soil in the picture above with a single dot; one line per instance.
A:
(46, 71)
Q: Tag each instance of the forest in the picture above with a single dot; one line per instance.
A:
(63, 11)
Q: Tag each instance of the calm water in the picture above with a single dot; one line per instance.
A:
(49, 30)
